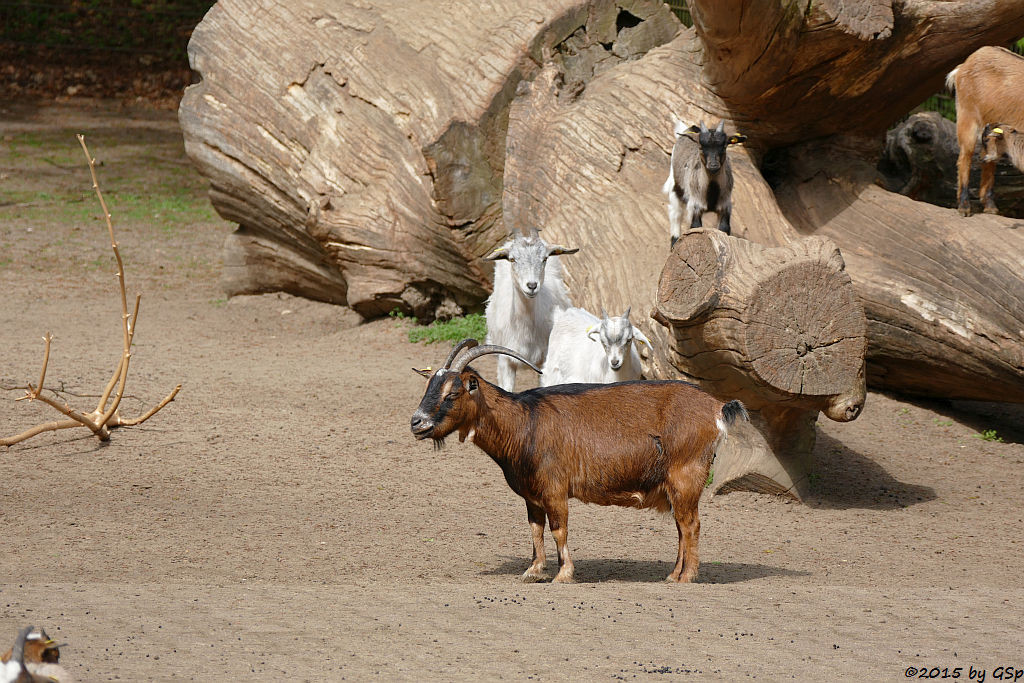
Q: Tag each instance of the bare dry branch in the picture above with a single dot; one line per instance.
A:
(104, 417)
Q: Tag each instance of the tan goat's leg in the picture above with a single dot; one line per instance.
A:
(986, 190)
(966, 135)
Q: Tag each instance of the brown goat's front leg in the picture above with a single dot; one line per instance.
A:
(558, 518)
(535, 513)
(985, 191)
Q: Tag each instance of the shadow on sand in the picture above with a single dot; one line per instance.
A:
(645, 571)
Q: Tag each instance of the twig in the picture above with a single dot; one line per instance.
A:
(104, 417)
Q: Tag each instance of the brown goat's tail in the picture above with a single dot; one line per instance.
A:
(730, 411)
(733, 410)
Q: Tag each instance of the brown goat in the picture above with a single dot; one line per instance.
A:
(642, 444)
(988, 89)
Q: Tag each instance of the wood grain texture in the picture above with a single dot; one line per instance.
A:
(362, 144)
(944, 295)
(796, 70)
(781, 330)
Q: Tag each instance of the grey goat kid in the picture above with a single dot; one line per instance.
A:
(528, 290)
(700, 178)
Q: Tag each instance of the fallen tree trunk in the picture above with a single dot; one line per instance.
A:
(943, 294)
(360, 147)
(367, 145)
(778, 328)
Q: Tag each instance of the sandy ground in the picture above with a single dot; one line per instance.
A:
(278, 520)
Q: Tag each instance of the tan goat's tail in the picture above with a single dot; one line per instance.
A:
(951, 80)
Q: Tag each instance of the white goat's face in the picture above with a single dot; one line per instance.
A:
(528, 256)
(615, 335)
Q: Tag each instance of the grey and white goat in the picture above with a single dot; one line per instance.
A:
(528, 289)
(585, 349)
(700, 178)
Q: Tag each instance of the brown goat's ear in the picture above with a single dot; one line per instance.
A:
(425, 372)
(473, 385)
(498, 254)
(737, 139)
(558, 250)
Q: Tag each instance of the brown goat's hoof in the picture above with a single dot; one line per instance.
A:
(964, 211)
(991, 209)
(532, 576)
(562, 577)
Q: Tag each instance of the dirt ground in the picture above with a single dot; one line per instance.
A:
(278, 520)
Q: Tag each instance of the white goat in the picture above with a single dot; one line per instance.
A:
(528, 289)
(585, 349)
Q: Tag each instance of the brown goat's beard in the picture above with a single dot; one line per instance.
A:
(438, 442)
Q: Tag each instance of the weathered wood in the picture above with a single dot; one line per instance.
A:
(805, 70)
(919, 161)
(778, 328)
(360, 146)
(367, 142)
(944, 295)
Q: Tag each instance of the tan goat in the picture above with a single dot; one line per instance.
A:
(989, 88)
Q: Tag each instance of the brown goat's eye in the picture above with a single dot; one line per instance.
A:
(451, 396)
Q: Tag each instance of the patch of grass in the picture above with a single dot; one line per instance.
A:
(473, 325)
(711, 478)
(989, 435)
(943, 423)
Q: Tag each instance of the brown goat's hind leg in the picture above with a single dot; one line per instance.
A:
(558, 518)
(688, 559)
(536, 516)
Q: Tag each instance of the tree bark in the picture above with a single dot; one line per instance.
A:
(372, 153)
(360, 147)
(778, 328)
(944, 295)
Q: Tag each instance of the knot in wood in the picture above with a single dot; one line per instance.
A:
(802, 348)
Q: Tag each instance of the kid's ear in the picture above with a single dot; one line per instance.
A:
(558, 250)
(425, 372)
(737, 139)
(498, 254)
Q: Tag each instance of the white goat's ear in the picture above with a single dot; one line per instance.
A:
(558, 250)
(678, 127)
(641, 337)
(998, 132)
(498, 254)
(737, 138)
(591, 331)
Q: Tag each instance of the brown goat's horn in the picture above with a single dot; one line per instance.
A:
(467, 358)
(458, 347)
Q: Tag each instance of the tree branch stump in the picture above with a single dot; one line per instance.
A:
(779, 328)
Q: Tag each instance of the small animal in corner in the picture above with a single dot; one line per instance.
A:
(700, 177)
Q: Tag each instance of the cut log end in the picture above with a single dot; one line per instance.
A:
(805, 331)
